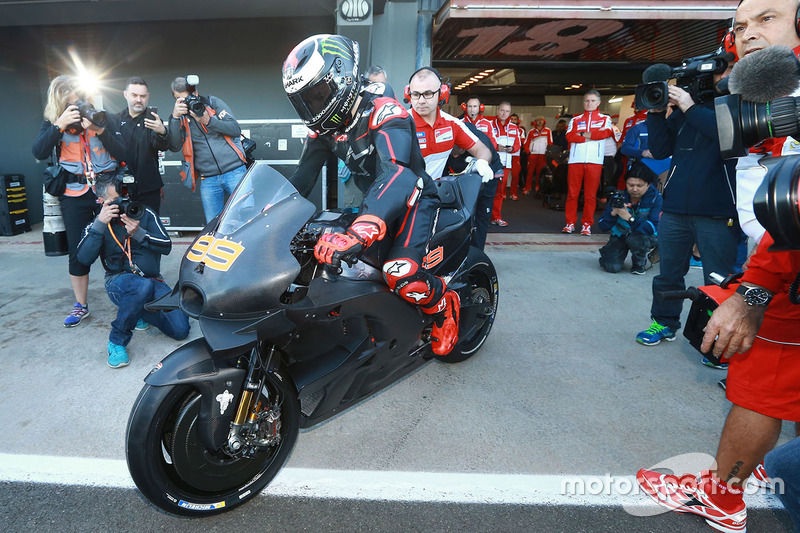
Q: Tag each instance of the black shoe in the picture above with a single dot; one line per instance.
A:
(723, 383)
(638, 270)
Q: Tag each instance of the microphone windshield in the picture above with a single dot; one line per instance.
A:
(657, 72)
(766, 74)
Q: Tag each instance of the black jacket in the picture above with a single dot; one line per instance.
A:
(143, 146)
(699, 182)
(147, 245)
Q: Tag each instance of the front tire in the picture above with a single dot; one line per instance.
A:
(478, 310)
(173, 469)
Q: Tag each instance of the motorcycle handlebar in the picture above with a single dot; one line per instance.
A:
(692, 293)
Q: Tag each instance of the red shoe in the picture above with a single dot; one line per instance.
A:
(686, 495)
(586, 229)
(514, 197)
(445, 336)
(569, 228)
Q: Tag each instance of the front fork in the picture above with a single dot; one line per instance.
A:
(248, 411)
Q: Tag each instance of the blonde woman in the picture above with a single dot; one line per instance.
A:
(83, 150)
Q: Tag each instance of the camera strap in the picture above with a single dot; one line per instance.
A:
(126, 250)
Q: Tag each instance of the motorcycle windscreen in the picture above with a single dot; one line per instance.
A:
(261, 189)
(241, 269)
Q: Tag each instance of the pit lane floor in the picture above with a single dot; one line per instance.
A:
(560, 391)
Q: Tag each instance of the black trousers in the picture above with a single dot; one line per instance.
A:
(613, 254)
(78, 212)
(483, 213)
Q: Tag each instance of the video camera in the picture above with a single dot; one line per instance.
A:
(695, 76)
(758, 110)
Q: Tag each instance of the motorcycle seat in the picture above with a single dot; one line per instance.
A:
(448, 193)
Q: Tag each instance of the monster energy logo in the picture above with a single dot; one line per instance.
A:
(329, 46)
(336, 119)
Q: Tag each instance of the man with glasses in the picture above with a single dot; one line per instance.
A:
(438, 132)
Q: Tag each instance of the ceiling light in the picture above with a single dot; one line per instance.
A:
(615, 100)
(578, 86)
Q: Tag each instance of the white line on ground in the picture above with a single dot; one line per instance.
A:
(552, 490)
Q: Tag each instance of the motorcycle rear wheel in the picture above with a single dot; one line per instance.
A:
(478, 311)
(173, 469)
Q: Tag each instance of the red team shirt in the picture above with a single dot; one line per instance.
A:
(484, 125)
(437, 141)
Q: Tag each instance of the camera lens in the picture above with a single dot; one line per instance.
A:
(134, 210)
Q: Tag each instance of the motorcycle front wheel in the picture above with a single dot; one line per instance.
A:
(177, 473)
(478, 311)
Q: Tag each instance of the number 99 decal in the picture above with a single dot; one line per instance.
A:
(217, 254)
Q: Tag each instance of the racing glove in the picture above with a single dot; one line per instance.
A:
(481, 166)
(334, 247)
(331, 248)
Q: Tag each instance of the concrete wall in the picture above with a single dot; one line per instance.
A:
(237, 60)
(394, 43)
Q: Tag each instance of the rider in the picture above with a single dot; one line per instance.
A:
(376, 138)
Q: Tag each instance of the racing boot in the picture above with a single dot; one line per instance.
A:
(444, 334)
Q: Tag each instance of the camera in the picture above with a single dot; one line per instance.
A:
(134, 210)
(87, 111)
(195, 104)
(695, 75)
(616, 199)
(742, 124)
(777, 201)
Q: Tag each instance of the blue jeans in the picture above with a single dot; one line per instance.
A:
(677, 234)
(784, 463)
(213, 189)
(129, 293)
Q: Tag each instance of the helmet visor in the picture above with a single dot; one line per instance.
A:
(310, 102)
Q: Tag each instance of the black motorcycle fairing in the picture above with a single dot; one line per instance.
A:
(350, 333)
(215, 378)
(243, 267)
(226, 335)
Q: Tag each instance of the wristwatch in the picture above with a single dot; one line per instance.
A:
(755, 296)
(631, 220)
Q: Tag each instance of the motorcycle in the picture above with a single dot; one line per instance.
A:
(287, 342)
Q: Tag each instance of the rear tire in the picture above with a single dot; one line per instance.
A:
(173, 469)
(478, 310)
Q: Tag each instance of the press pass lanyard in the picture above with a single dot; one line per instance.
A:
(127, 251)
(87, 156)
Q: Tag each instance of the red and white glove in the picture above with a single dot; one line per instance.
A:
(331, 248)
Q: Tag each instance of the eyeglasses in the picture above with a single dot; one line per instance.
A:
(427, 95)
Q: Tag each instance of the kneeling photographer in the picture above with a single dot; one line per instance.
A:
(130, 240)
(632, 217)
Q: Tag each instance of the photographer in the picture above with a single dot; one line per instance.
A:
(209, 136)
(699, 204)
(130, 241)
(145, 135)
(84, 150)
(632, 217)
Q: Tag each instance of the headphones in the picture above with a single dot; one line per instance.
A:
(444, 87)
(729, 41)
(464, 104)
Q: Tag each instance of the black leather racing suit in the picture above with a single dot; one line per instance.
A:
(384, 159)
